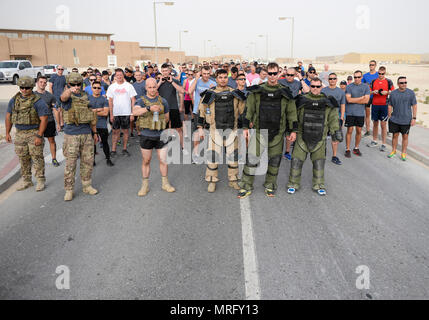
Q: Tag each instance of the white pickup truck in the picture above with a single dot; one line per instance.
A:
(12, 70)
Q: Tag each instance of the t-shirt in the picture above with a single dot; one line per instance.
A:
(294, 86)
(307, 81)
(72, 129)
(200, 88)
(50, 101)
(356, 91)
(152, 133)
(232, 83)
(41, 108)
(324, 76)
(250, 77)
(368, 78)
(58, 85)
(259, 81)
(121, 95)
(87, 83)
(380, 100)
(168, 92)
(140, 88)
(183, 77)
(88, 90)
(337, 93)
(99, 103)
(402, 102)
(105, 86)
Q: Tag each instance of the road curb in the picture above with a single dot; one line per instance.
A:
(412, 153)
(12, 177)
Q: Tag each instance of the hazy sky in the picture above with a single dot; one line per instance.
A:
(322, 28)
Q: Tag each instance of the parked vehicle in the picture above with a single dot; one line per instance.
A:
(51, 69)
(12, 70)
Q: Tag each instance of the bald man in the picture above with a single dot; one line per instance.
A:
(153, 113)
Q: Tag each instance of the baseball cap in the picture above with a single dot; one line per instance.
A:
(311, 69)
(343, 83)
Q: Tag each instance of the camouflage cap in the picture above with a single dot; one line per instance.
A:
(74, 77)
(26, 82)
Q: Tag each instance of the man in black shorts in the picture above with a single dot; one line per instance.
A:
(402, 115)
(51, 129)
(168, 88)
(152, 112)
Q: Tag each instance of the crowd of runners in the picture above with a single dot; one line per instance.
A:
(144, 101)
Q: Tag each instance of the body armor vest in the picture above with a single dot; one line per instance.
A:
(270, 112)
(224, 110)
(146, 121)
(314, 120)
(23, 112)
(79, 113)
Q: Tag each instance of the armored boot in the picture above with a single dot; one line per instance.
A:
(166, 186)
(234, 185)
(88, 189)
(69, 195)
(40, 185)
(212, 187)
(25, 184)
(144, 189)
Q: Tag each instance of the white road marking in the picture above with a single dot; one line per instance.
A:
(251, 276)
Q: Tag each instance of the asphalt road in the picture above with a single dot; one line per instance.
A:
(189, 245)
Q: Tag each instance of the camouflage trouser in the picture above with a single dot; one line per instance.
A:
(215, 152)
(79, 146)
(27, 153)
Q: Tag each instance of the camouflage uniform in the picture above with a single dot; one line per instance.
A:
(28, 153)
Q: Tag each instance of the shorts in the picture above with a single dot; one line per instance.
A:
(399, 128)
(352, 121)
(121, 122)
(188, 106)
(51, 130)
(175, 120)
(379, 113)
(150, 143)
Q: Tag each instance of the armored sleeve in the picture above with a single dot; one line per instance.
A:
(291, 117)
(251, 109)
(334, 125)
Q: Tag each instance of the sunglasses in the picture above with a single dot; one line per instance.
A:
(381, 74)
(60, 69)
(318, 87)
(332, 79)
(357, 77)
(290, 75)
(241, 79)
(190, 74)
(403, 82)
(312, 72)
(25, 88)
(75, 84)
(273, 73)
(96, 88)
(92, 80)
(372, 65)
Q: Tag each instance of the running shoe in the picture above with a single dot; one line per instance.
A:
(55, 163)
(404, 157)
(126, 153)
(373, 144)
(270, 193)
(348, 154)
(392, 155)
(367, 134)
(291, 190)
(336, 161)
(119, 143)
(321, 192)
(287, 156)
(109, 163)
(383, 148)
(243, 194)
(357, 152)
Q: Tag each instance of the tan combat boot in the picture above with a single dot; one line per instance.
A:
(40, 185)
(234, 185)
(69, 195)
(88, 189)
(166, 186)
(212, 187)
(25, 185)
(145, 188)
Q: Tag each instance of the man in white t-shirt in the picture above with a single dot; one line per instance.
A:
(122, 97)
(263, 77)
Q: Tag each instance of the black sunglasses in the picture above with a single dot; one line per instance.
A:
(332, 79)
(273, 73)
(381, 74)
(318, 87)
(357, 77)
(96, 88)
(403, 82)
(60, 69)
(92, 80)
(241, 79)
(312, 72)
(75, 84)
(25, 88)
(290, 75)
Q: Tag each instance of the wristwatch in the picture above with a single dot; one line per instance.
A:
(148, 108)
(414, 118)
(38, 136)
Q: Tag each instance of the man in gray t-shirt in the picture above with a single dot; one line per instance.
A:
(357, 97)
(403, 116)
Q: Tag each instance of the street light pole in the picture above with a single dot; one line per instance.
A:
(266, 36)
(180, 38)
(293, 33)
(156, 31)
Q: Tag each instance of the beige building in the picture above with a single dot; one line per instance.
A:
(77, 49)
(396, 58)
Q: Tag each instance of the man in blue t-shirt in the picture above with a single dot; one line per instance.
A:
(368, 78)
(79, 138)
(148, 107)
